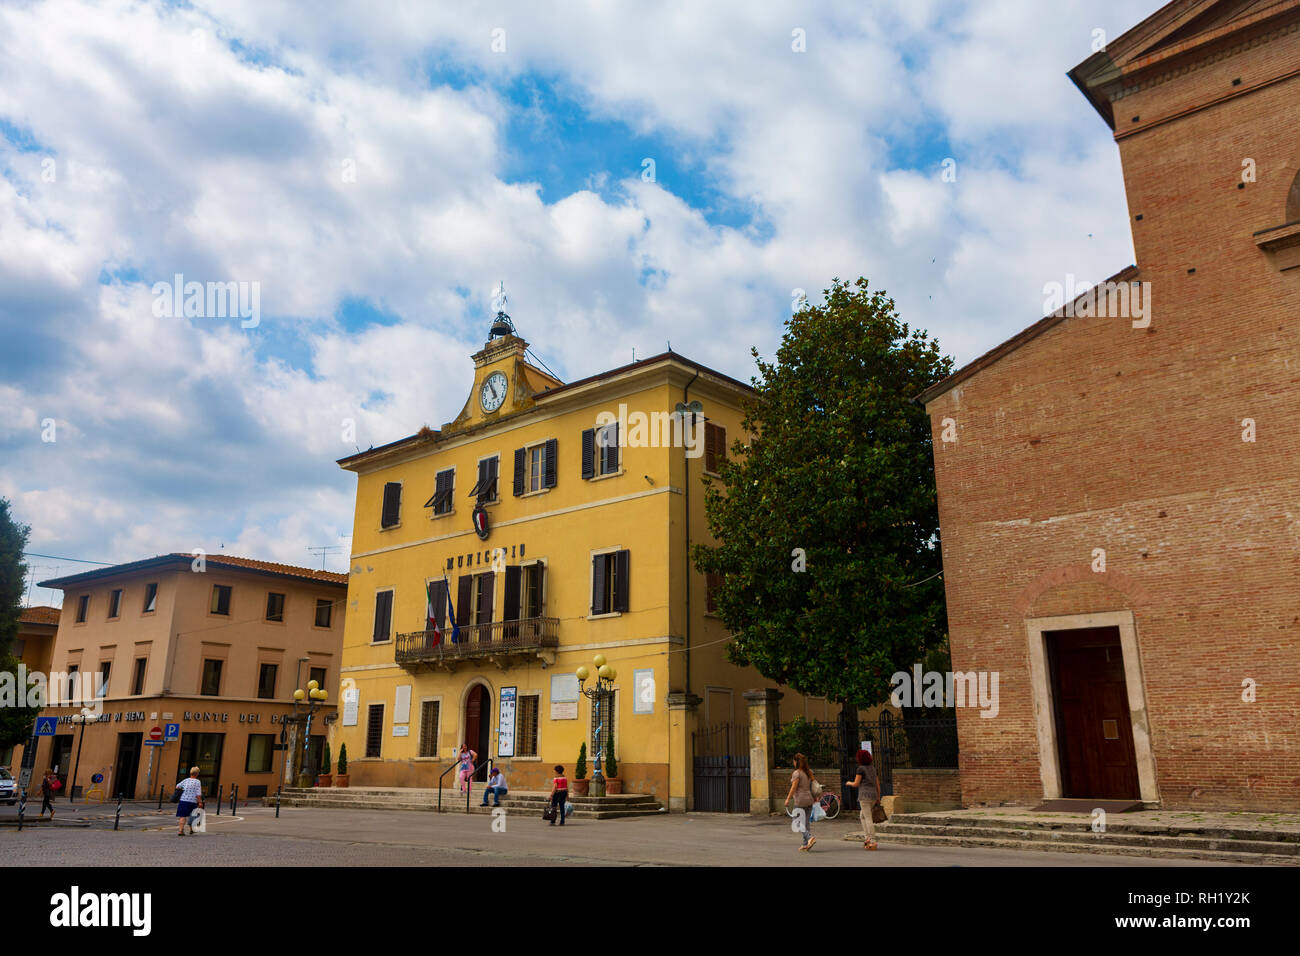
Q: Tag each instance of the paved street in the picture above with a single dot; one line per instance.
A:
(317, 837)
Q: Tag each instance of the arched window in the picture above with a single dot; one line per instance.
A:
(1293, 200)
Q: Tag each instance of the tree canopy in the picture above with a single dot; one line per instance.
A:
(827, 522)
(15, 722)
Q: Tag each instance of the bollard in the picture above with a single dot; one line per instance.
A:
(220, 790)
(277, 803)
(117, 817)
(234, 798)
(22, 809)
(160, 796)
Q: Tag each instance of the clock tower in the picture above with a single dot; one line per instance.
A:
(504, 381)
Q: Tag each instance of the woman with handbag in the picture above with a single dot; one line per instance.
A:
(866, 781)
(191, 797)
(801, 792)
(559, 796)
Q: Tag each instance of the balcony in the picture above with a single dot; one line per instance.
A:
(501, 642)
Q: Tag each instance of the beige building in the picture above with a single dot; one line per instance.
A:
(215, 646)
(33, 648)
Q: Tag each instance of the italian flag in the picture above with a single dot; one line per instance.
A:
(430, 616)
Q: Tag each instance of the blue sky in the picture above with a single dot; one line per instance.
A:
(376, 172)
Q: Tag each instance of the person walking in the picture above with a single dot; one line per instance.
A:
(466, 758)
(191, 789)
(496, 787)
(801, 784)
(559, 794)
(47, 793)
(867, 782)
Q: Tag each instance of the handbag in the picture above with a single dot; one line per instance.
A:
(878, 814)
(176, 795)
(549, 812)
(816, 789)
(56, 784)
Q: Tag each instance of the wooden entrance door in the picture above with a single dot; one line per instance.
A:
(1093, 729)
(478, 716)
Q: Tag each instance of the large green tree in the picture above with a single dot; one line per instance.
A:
(15, 722)
(827, 523)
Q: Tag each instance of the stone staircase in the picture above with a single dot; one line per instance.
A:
(530, 802)
(1222, 843)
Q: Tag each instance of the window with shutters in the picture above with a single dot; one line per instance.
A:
(607, 442)
(444, 486)
(532, 597)
(600, 451)
(374, 729)
(485, 489)
(383, 617)
(715, 447)
(429, 713)
(391, 514)
(535, 467)
(609, 582)
(221, 599)
(526, 725)
(484, 589)
(436, 600)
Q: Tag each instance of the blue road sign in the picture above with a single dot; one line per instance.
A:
(171, 731)
(153, 743)
(45, 726)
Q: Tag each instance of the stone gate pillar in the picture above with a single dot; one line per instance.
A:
(683, 717)
(762, 750)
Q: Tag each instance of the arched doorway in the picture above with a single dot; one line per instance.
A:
(478, 717)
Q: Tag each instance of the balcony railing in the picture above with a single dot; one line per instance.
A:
(493, 639)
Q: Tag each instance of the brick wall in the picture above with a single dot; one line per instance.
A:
(1095, 434)
(923, 790)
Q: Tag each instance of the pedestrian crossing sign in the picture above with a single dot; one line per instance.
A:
(45, 726)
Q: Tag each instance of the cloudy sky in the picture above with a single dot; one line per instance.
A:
(637, 173)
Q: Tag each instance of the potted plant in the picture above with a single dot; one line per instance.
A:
(341, 779)
(324, 779)
(612, 783)
(580, 783)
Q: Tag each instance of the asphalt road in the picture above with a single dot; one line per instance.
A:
(336, 837)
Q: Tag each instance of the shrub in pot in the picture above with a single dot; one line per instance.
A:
(341, 779)
(324, 778)
(580, 784)
(612, 782)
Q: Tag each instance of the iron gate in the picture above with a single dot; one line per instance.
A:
(721, 763)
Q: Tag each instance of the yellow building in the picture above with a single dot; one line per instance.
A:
(557, 518)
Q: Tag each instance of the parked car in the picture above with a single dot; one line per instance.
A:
(8, 787)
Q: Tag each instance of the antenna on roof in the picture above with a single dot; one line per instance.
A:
(670, 345)
(323, 550)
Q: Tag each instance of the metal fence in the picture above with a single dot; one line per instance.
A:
(912, 743)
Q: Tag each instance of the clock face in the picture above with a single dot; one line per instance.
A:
(493, 392)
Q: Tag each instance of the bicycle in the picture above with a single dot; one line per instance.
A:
(829, 803)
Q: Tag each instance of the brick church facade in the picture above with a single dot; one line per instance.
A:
(1119, 487)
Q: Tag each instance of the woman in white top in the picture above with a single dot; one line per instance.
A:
(191, 789)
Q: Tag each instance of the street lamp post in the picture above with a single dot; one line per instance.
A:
(81, 720)
(305, 704)
(604, 689)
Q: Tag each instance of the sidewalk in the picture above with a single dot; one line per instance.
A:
(1236, 824)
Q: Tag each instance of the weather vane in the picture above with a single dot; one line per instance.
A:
(499, 297)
